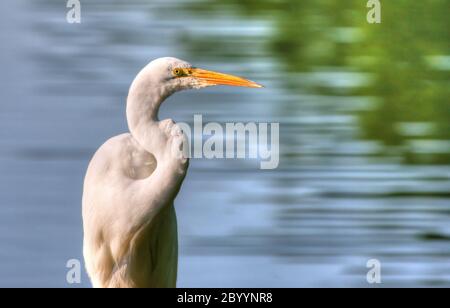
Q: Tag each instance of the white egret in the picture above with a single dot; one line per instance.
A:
(130, 227)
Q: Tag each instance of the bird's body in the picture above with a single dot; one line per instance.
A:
(131, 234)
(130, 227)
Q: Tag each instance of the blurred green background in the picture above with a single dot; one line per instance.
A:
(401, 65)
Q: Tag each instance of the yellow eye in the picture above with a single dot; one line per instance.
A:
(178, 72)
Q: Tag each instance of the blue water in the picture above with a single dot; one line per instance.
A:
(333, 203)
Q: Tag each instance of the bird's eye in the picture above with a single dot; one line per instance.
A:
(178, 72)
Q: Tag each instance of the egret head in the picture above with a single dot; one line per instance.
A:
(169, 75)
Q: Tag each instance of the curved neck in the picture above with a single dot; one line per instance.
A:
(143, 104)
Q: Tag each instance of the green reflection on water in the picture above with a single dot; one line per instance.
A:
(406, 56)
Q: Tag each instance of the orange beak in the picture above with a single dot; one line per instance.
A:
(216, 79)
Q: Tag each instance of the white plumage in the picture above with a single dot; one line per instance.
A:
(130, 227)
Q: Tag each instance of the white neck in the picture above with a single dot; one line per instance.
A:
(143, 105)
